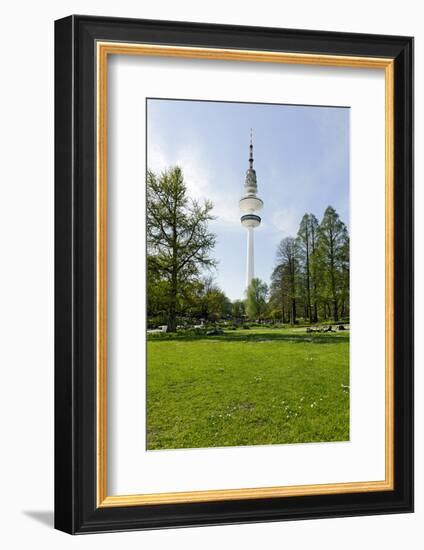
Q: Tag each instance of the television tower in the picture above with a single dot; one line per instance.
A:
(249, 204)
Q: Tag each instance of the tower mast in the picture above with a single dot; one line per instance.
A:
(249, 204)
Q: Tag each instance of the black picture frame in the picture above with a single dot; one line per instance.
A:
(76, 510)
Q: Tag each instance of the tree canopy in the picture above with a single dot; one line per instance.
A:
(179, 242)
(256, 299)
(311, 276)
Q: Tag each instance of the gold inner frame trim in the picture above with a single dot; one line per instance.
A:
(104, 49)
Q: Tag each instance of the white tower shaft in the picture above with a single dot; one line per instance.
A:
(250, 269)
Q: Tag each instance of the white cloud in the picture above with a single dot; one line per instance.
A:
(156, 159)
(285, 221)
(199, 177)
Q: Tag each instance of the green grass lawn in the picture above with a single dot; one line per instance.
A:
(247, 387)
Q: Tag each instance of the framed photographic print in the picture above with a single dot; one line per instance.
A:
(233, 272)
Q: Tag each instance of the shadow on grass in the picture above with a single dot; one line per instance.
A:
(320, 338)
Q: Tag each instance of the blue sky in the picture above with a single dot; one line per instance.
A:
(301, 160)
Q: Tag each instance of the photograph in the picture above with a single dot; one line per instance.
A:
(233, 269)
(247, 279)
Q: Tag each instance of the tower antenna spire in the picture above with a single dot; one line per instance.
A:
(251, 149)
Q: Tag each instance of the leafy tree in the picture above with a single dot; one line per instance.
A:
(278, 302)
(157, 296)
(312, 271)
(345, 277)
(238, 309)
(314, 265)
(256, 299)
(333, 257)
(306, 243)
(178, 240)
(288, 260)
(212, 301)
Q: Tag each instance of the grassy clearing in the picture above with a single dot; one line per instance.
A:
(256, 387)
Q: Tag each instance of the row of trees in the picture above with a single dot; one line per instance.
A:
(311, 276)
(197, 300)
(310, 279)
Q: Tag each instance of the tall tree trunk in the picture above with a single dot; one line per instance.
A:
(335, 310)
(333, 281)
(315, 317)
(293, 291)
(293, 311)
(172, 313)
(308, 281)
